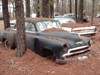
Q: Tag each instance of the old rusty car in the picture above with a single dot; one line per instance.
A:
(45, 38)
(70, 26)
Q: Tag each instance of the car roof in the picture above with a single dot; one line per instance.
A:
(34, 19)
(38, 19)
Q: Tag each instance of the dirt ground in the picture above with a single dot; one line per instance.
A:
(33, 64)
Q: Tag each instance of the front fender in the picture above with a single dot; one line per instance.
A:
(55, 46)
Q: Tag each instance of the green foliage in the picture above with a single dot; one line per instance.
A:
(10, 1)
(40, 6)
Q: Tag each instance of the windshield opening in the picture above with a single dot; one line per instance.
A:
(43, 25)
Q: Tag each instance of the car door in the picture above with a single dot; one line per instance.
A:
(30, 28)
(30, 35)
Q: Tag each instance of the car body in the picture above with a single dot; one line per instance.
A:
(33, 15)
(69, 15)
(80, 29)
(72, 16)
(44, 37)
(71, 26)
(1, 17)
(58, 16)
(12, 23)
(98, 15)
(65, 20)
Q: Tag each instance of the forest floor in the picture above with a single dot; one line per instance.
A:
(33, 64)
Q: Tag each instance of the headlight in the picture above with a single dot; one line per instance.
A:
(91, 42)
(65, 48)
(81, 43)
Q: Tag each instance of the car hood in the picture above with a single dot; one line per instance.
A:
(62, 35)
(68, 38)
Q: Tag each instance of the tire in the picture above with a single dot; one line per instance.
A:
(61, 61)
(6, 44)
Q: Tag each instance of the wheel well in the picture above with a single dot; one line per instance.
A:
(47, 52)
(3, 40)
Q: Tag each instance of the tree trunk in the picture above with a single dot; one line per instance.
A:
(27, 8)
(38, 8)
(13, 3)
(45, 8)
(92, 15)
(57, 6)
(21, 47)
(70, 6)
(62, 7)
(51, 8)
(5, 13)
(76, 10)
(80, 14)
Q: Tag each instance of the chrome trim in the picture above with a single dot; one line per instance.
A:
(77, 52)
(86, 33)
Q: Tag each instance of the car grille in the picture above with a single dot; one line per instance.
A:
(74, 51)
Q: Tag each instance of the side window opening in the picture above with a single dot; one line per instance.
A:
(29, 27)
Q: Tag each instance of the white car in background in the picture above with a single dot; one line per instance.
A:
(70, 25)
(98, 15)
(88, 30)
(12, 23)
(65, 20)
(69, 15)
(33, 15)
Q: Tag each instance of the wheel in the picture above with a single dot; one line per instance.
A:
(7, 45)
(61, 61)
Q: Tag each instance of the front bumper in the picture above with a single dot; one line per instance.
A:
(85, 30)
(76, 50)
(87, 33)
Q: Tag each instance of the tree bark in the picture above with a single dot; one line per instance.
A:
(5, 13)
(51, 8)
(27, 8)
(76, 10)
(70, 6)
(57, 6)
(92, 15)
(13, 3)
(62, 7)
(45, 8)
(37, 9)
(21, 47)
(80, 14)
